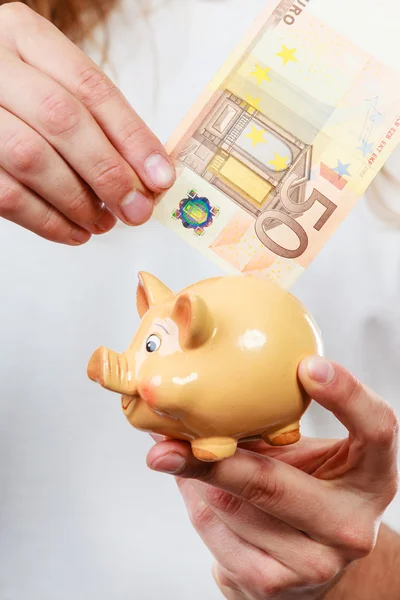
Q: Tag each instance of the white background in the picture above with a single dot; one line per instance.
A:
(81, 516)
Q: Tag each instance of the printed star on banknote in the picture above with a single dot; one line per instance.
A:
(287, 137)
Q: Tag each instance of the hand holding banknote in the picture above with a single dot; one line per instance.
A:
(286, 523)
(73, 153)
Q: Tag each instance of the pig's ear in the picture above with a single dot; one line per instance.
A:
(150, 291)
(194, 320)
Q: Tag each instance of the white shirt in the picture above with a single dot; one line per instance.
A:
(81, 516)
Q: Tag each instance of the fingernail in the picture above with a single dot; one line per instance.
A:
(137, 208)
(79, 236)
(160, 172)
(320, 370)
(157, 438)
(172, 463)
(105, 222)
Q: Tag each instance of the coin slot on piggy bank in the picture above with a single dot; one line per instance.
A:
(214, 365)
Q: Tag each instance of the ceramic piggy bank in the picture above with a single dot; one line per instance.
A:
(214, 365)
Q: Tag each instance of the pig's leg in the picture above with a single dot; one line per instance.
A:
(284, 437)
(214, 449)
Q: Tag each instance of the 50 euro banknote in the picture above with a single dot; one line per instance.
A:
(287, 136)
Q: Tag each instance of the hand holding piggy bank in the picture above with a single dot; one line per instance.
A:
(214, 365)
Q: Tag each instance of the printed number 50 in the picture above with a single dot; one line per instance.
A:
(290, 222)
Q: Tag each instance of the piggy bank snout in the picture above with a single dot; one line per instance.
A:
(112, 371)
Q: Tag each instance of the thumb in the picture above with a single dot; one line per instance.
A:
(365, 415)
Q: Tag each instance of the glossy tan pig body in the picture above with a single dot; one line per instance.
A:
(215, 364)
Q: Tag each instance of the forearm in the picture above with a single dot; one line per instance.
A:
(376, 576)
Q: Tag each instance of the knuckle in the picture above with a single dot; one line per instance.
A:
(225, 581)
(384, 435)
(81, 202)
(134, 133)
(357, 541)
(270, 589)
(261, 585)
(205, 472)
(223, 501)
(94, 87)
(394, 424)
(388, 431)
(201, 516)
(352, 388)
(10, 197)
(59, 114)
(254, 579)
(262, 489)
(24, 153)
(393, 486)
(323, 571)
(52, 224)
(111, 175)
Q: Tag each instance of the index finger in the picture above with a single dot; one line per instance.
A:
(46, 48)
(271, 485)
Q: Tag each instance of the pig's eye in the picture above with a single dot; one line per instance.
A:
(153, 343)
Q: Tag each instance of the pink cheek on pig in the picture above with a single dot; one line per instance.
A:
(148, 391)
